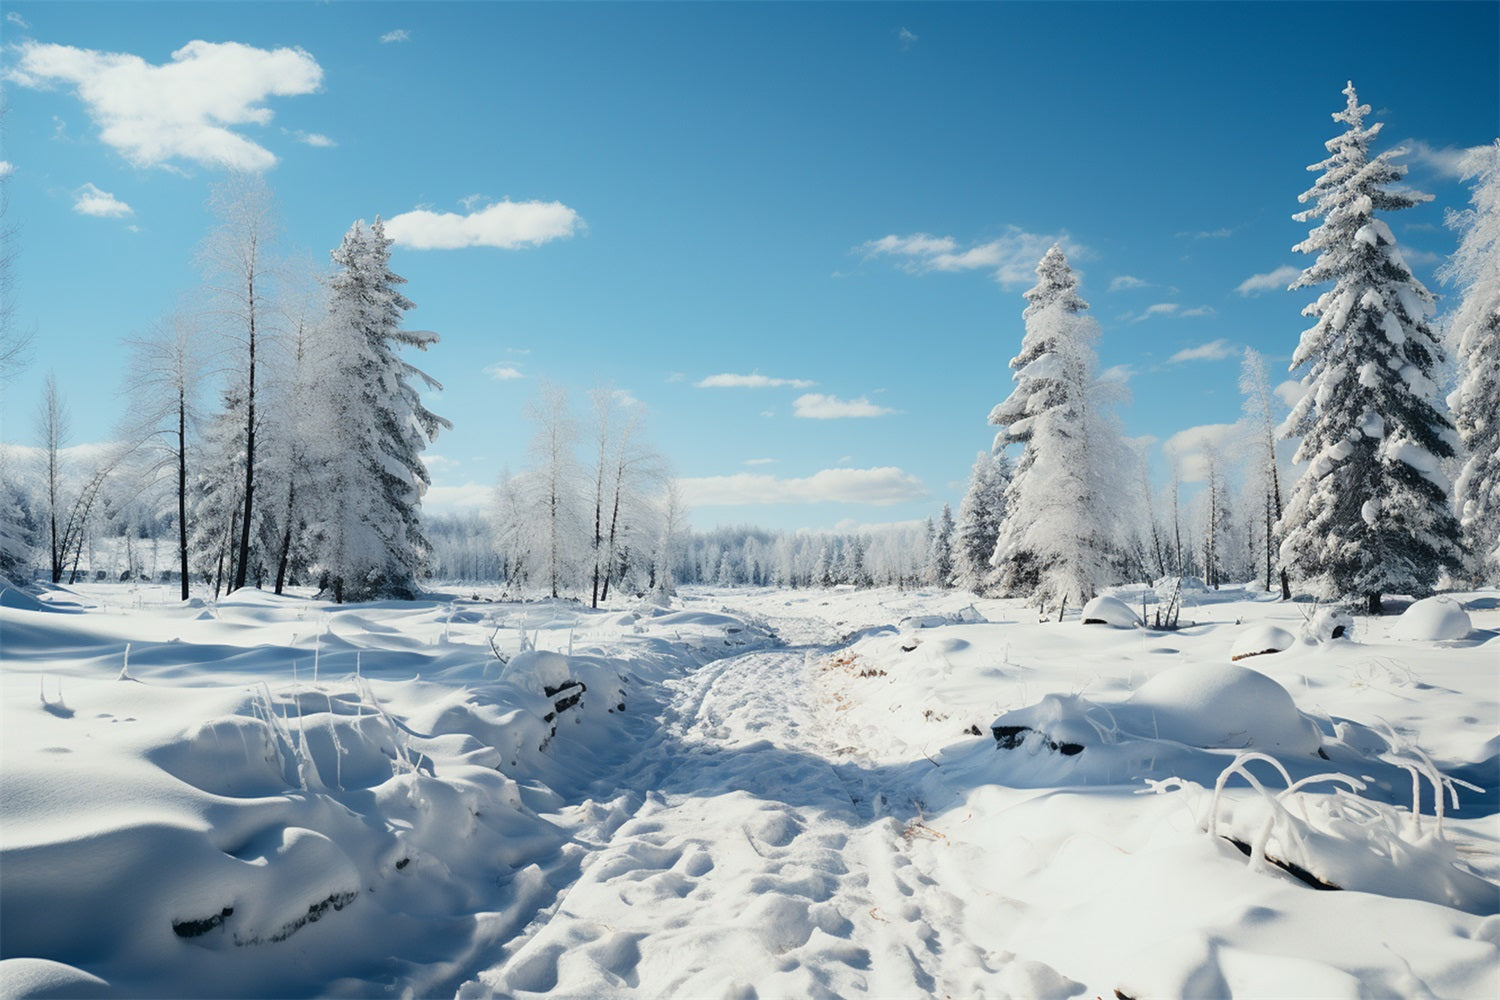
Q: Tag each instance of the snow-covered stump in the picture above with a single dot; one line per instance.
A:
(1106, 610)
(1259, 640)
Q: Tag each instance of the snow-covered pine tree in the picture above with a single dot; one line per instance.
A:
(979, 515)
(1370, 514)
(370, 477)
(1054, 539)
(1476, 328)
(939, 570)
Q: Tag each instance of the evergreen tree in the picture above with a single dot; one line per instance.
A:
(979, 516)
(370, 474)
(1054, 539)
(940, 557)
(1370, 514)
(1476, 328)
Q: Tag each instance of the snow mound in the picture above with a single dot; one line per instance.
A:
(17, 599)
(1219, 705)
(41, 977)
(1105, 610)
(1059, 722)
(1433, 619)
(1258, 639)
(1328, 624)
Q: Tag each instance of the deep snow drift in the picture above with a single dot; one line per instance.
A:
(751, 793)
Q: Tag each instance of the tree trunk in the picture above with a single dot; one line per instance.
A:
(242, 563)
(1374, 606)
(182, 530)
(286, 535)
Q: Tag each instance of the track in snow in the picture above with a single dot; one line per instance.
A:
(740, 859)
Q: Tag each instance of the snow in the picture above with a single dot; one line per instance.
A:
(1255, 640)
(1432, 619)
(281, 796)
(1110, 610)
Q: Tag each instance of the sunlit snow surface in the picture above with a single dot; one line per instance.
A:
(751, 793)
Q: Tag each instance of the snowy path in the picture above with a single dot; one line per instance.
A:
(750, 857)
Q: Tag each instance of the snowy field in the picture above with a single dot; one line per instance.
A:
(752, 793)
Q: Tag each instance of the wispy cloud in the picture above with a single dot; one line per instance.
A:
(183, 110)
(759, 461)
(879, 487)
(503, 372)
(89, 200)
(1222, 233)
(315, 139)
(816, 406)
(1012, 258)
(507, 225)
(754, 380)
(1214, 350)
(11, 17)
(1450, 162)
(906, 37)
(1118, 373)
(1271, 281)
(6, 168)
(399, 35)
(1123, 282)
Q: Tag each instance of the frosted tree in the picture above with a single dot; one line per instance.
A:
(162, 382)
(980, 513)
(215, 500)
(368, 531)
(1475, 267)
(1055, 537)
(939, 570)
(1370, 514)
(625, 471)
(545, 513)
(237, 260)
(52, 429)
(1256, 388)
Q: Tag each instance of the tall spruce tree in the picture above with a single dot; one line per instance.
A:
(939, 570)
(1370, 514)
(1053, 542)
(367, 529)
(1476, 327)
(979, 515)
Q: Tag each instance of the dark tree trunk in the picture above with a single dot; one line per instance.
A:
(242, 563)
(1374, 606)
(286, 534)
(182, 530)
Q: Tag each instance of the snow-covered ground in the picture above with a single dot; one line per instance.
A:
(751, 793)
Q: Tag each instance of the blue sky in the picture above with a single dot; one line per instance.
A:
(845, 200)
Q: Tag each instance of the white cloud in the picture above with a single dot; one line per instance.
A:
(907, 37)
(754, 380)
(1012, 257)
(315, 139)
(1122, 282)
(1197, 311)
(507, 225)
(89, 200)
(1214, 350)
(816, 406)
(451, 499)
(1161, 309)
(6, 168)
(1452, 162)
(1118, 373)
(503, 373)
(759, 461)
(1189, 446)
(1271, 281)
(1290, 392)
(399, 35)
(469, 201)
(11, 17)
(185, 109)
(439, 463)
(1207, 234)
(879, 487)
